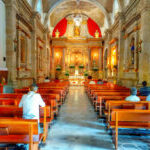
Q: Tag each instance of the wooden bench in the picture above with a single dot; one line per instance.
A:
(17, 130)
(16, 112)
(101, 101)
(142, 105)
(129, 119)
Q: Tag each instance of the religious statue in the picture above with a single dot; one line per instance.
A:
(96, 34)
(76, 31)
(132, 49)
(57, 33)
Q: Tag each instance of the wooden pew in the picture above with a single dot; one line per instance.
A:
(129, 119)
(50, 100)
(16, 112)
(17, 130)
(102, 101)
(142, 105)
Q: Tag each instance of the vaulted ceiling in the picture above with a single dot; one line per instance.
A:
(96, 9)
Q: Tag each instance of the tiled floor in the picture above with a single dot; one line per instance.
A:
(77, 128)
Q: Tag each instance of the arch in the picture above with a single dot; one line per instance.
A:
(96, 3)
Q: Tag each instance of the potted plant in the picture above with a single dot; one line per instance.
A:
(58, 68)
(86, 74)
(95, 68)
(81, 66)
(67, 73)
(72, 66)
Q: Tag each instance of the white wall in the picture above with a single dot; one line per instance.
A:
(2, 35)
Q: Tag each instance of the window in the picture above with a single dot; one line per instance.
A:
(40, 9)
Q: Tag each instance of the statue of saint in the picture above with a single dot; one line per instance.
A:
(76, 31)
(132, 50)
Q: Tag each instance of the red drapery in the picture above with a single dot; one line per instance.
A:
(92, 27)
(61, 27)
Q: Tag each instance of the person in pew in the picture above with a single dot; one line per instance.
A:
(99, 81)
(133, 97)
(144, 91)
(92, 82)
(31, 103)
(47, 79)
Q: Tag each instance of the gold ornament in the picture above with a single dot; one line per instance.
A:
(96, 34)
(57, 33)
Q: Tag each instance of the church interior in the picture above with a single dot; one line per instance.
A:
(90, 62)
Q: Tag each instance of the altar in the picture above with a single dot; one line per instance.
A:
(77, 80)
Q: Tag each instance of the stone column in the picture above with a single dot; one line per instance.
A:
(120, 48)
(108, 46)
(144, 56)
(34, 47)
(100, 59)
(89, 59)
(64, 54)
(53, 65)
(11, 48)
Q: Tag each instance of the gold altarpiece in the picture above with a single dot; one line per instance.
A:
(73, 58)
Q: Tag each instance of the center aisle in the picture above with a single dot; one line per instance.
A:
(77, 127)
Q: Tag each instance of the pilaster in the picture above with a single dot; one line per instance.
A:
(11, 47)
(144, 61)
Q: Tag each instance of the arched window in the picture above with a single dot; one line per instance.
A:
(115, 10)
(40, 9)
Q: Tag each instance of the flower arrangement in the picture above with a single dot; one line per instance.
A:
(67, 73)
(86, 74)
(72, 66)
(81, 66)
(58, 68)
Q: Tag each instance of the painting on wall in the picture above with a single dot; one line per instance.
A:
(3, 76)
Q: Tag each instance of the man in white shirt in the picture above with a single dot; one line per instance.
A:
(31, 103)
(133, 97)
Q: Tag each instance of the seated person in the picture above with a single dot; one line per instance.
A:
(31, 103)
(92, 82)
(133, 97)
(144, 91)
(99, 81)
(47, 79)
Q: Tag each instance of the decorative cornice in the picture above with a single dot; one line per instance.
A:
(21, 18)
(130, 21)
(113, 41)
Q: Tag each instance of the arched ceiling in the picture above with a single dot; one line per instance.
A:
(98, 10)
